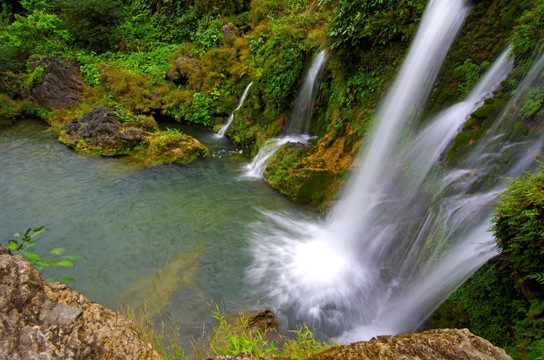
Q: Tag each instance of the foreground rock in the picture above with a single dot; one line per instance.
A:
(99, 132)
(61, 84)
(447, 344)
(39, 320)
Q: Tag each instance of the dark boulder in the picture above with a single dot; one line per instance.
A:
(61, 84)
(101, 127)
(186, 67)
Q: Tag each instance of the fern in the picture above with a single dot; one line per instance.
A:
(539, 277)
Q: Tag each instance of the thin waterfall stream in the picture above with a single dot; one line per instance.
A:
(299, 121)
(224, 128)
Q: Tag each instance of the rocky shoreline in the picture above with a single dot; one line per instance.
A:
(41, 320)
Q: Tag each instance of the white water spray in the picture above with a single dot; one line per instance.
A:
(256, 168)
(403, 234)
(224, 128)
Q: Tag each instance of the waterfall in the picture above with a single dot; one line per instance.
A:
(255, 169)
(224, 128)
(404, 233)
(299, 121)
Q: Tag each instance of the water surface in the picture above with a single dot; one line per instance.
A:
(169, 238)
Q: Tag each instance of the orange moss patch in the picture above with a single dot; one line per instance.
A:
(313, 174)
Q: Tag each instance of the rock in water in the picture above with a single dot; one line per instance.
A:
(443, 344)
(100, 125)
(61, 84)
(39, 320)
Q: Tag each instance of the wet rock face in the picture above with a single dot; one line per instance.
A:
(61, 85)
(444, 344)
(101, 126)
(39, 320)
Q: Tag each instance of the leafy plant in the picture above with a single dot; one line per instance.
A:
(93, 24)
(208, 34)
(472, 73)
(304, 345)
(228, 339)
(20, 243)
(36, 34)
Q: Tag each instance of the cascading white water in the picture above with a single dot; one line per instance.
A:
(224, 128)
(255, 169)
(403, 234)
(299, 122)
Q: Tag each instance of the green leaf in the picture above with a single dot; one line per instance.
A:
(32, 256)
(66, 279)
(12, 245)
(57, 251)
(64, 263)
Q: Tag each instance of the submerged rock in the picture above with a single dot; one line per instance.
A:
(61, 84)
(51, 321)
(447, 344)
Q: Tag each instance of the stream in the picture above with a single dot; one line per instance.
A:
(170, 241)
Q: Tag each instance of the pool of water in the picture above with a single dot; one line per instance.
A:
(168, 240)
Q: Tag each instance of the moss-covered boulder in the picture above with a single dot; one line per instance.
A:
(312, 175)
(170, 147)
(101, 132)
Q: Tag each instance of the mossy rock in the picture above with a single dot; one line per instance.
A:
(168, 148)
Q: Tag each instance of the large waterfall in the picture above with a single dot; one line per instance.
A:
(404, 233)
(299, 121)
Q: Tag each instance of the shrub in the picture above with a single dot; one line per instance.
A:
(208, 34)
(93, 24)
(519, 229)
(362, 24)
(36, 34)
(175, 22)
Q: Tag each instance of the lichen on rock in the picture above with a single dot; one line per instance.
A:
(446, 344)
(51, 321)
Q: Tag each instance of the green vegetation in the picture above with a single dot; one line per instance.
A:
(148, 59)
(504, 300)
(19, 244)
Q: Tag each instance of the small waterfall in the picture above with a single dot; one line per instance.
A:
(403, 234)
(255, 169)
(299, 122)
(224, 128)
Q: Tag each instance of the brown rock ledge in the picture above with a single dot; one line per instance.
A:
(39, 320)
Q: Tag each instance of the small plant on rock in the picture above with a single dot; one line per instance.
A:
(21, 243)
